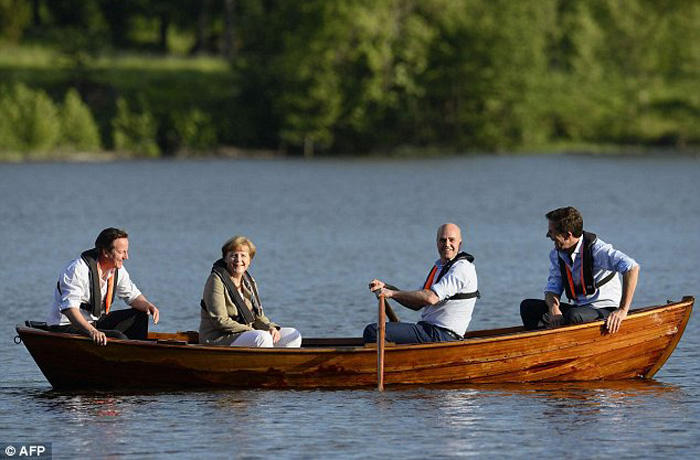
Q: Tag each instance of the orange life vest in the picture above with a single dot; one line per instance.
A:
(430, 280)
(587, 284)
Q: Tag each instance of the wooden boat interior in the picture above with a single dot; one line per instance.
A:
(185, 338)
(192, 338)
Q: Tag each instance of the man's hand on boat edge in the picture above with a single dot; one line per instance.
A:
(98, 337)
(614, 320)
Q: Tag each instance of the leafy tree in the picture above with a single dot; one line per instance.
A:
(195, 130)
(30, 120)
(15, 16)
(486, 71)
(134, 132)
(620, 58)
(78, 128)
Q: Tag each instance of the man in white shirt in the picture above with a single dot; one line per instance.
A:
(586, 268)
(447, 297)
(88, 286)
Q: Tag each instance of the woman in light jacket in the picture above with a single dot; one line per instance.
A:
(231, 312)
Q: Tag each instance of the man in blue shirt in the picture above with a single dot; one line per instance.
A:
(586, 268)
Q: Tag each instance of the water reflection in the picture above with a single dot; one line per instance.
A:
(478, 417)
(556, 390)
(467, 406)
(586, 390)
(595, 402)
(89, 404)
(472, 419)
(232, 398)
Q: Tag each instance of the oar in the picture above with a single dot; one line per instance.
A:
(380, 343)
(390, 312)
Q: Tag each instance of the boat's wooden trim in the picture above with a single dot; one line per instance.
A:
(186, 336)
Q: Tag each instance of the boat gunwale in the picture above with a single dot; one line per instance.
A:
(372, 348)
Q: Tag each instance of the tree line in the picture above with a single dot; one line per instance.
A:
(347, 76)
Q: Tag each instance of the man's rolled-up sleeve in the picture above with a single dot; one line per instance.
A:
(609, 258)
(126, 289)
(554, 281)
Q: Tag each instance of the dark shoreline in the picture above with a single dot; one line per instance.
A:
(405, 153)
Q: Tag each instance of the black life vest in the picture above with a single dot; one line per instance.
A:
(446, 268)
(587, 284)
(95, 306)
(245, 316)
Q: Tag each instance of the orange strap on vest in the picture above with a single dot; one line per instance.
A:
(110, 290)
(570, 278)
(431, 277)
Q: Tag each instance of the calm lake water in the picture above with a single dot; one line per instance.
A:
(323, 230)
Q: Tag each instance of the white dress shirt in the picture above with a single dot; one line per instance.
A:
(75, 290)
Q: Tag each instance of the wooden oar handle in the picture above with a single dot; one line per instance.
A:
(390, 312)
(381, 335)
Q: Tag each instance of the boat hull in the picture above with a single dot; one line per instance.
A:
(583, 352)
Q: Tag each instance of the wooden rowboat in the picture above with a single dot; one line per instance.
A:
(582, 352)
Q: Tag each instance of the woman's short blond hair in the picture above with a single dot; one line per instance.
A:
(235, 242)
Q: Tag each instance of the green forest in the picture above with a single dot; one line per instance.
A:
(152, 78)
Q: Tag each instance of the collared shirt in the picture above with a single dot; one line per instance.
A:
(606, 259)
(454, 315)
(75, 290)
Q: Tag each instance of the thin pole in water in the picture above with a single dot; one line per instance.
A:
(381, 324)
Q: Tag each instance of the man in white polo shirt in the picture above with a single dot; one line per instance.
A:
(87, 288)
(447, 297)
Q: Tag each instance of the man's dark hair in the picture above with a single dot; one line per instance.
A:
(105, 240)
(566, 220)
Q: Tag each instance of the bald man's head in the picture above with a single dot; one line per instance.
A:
(449, 241)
